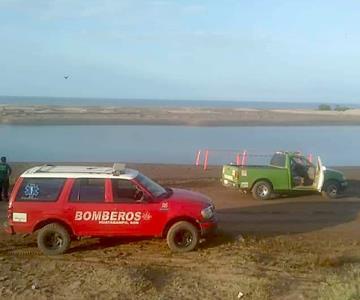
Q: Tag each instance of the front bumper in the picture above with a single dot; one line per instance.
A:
(8, 228)
(343, 185)
(209, 228)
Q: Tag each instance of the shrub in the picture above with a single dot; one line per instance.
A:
(344, 285)
(341, 108)
(324, 107)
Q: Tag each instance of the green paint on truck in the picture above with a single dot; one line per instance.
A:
(286, 173)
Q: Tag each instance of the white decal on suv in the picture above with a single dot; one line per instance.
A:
(112, 217)
(32, 191)
(19, 217)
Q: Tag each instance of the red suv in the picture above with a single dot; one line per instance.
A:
(63, 202)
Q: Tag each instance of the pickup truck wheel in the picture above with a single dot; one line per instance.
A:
(331, 189)
(53, 239)
(182, 237)
(262, 190)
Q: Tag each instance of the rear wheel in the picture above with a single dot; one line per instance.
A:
(183, 237)
(331, 190)
(262, 190)
(53, 239)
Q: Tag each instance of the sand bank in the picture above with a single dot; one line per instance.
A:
(186, 116)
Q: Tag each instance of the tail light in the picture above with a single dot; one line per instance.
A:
(10, 208)
(9, 213)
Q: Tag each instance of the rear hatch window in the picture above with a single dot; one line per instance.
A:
(40, 189)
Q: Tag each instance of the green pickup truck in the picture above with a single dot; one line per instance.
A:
(287, 173)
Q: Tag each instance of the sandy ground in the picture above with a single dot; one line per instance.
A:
(189, 116)
(286, 248)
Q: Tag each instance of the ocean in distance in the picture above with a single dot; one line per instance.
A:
(58, 101)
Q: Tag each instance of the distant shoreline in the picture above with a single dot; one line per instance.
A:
(170, 102)
(181, 116)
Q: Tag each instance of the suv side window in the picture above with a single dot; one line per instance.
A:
(88, 190)
(124, 190)
(40, 189)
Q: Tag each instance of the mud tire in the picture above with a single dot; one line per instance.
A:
(183, 237)
(331, 189)
(262, 190)
(53, 239)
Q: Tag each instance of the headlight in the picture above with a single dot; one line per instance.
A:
(207, 212)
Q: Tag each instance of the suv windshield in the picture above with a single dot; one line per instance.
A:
(155, 189)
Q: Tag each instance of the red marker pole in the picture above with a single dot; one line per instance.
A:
(243, 161)
(206, 159)
(237, 159)
(197, 162)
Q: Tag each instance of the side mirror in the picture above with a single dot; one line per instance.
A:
(140, 196)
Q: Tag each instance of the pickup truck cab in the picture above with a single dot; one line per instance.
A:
(65, 202)
(286, 173)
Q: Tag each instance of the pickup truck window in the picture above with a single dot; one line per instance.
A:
(278, 160)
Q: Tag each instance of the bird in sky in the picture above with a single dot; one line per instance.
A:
(67, 76)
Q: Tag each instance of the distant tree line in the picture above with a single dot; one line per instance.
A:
(336, 108)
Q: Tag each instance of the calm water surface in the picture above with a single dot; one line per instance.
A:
(337, 145)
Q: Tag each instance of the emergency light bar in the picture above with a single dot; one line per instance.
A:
(118, 168)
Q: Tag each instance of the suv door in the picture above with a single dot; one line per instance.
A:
(86, 206)
(137, 213)
(319, 176)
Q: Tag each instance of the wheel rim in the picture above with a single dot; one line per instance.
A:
(332, 190)
(262, 191)
(183, 238)
(53, 240)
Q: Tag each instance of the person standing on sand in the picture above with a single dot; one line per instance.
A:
(5, 172)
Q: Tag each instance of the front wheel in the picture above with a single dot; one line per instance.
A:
(183, 237)
(53, 239)
(331, 190)
(262, 190)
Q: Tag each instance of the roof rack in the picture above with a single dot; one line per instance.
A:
(79, 171)
(73, 169)
(44, 168)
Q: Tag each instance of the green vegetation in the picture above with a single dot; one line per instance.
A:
(342, 286)
(324, 107)
(341, 108)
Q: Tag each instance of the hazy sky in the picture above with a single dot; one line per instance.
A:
(279, 50)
